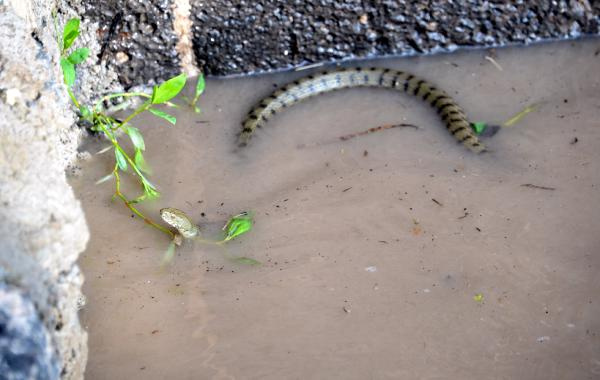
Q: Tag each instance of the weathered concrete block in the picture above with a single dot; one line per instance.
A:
(232, 37)
(237, 36)
(136, 38)
(42, 226)
(25, 348)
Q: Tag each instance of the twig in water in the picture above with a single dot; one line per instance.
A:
(516, 118)
(493, 61)
(376, 129)
(465, 215)
(537, 187)
(357, 134)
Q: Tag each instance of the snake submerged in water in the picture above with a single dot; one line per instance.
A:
(450, 112)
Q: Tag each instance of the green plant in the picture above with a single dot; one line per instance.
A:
(113, 129)
(236, 225)
(200, 85)
(97, 116)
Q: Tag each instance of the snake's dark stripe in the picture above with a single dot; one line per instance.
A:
(450, 112)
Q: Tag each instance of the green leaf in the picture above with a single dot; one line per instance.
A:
(121, 161)
(169, 253)
(169, 89)
(70, 33)
(140, 162)
(246, 261)
(149, 194)
(478, 127)
(79, 55)
(170, 118)
(200, 85)
(237, 225)
(136, 137)
(85, 113)
(150, 191)
(68, 71)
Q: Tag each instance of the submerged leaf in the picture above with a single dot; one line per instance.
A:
(121, 162)
(169, 253)
(237, 225)
(246, 261)
(150, 191)
(170, 118)
(169, 89)
(140, 162)
(136, 138)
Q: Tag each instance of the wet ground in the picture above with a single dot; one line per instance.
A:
(396, 255)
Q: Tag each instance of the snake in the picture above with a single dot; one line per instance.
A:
(449, 111)
(181, 222)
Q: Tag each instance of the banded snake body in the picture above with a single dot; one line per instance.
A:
(450, 112)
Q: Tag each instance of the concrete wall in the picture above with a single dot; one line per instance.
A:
(232, 37)
(42, 226)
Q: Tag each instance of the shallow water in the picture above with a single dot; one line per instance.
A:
(364, 275)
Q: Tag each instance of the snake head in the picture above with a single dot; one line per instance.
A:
(180, 221)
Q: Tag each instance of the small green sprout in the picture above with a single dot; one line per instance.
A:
(200, 85)
(478, 297)
(237, 225)
(478, 127)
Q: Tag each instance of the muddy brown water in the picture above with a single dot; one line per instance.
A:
(364, 275)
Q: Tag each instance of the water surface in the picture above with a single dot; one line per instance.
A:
(373, 249)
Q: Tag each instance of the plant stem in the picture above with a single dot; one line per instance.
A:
(138, 111)
(116, 145)
(133, 209)
(72, 96)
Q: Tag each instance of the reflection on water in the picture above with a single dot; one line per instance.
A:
(373, 249)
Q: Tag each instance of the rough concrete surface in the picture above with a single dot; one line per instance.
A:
(232, 37)
(24, 349)
(42, 228)
(136, 38)
(238, 36)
